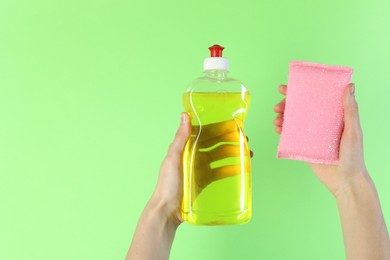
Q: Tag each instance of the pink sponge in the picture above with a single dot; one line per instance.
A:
(313, 116)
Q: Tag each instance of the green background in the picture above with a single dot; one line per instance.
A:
(90, 99)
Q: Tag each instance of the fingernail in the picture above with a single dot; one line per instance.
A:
(352, 89)
(183, 118)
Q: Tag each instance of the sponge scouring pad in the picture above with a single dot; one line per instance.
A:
(313, 116)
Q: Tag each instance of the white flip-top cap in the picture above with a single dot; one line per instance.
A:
(216, 61)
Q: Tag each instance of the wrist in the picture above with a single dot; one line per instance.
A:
(364, 229)
(163, 209)
(357, 186)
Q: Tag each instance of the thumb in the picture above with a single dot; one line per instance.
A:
(181, 137)
(352, 129)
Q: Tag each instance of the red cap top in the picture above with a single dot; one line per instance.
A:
(216, 50)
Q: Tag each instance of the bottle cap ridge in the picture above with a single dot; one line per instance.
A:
(216, 50)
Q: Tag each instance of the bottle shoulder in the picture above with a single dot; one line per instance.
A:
(212, 84)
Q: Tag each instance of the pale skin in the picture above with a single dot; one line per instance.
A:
(364, 229)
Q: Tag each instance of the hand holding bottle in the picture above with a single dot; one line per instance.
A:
(168, 191)
(157, 226)
(220, 141)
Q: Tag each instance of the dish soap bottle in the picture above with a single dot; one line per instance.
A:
(217, 184)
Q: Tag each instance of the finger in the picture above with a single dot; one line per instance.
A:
(352, 128)
(283, 89)
(279, 108)
(279, 120)
(224, 151)
(181, 137)
(234, 137)
(278, 129)
(214, 130)
(228, 171)
(251, 153)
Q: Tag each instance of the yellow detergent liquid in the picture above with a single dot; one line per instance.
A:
(217, 186)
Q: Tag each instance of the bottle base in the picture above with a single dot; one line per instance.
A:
(202, 219)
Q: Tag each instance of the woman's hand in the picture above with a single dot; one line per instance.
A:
(157, 226)
(168, 191)
(364, 228)
(351, 163)
(217, 141)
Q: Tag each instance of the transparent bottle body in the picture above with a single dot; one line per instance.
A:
(217, 185)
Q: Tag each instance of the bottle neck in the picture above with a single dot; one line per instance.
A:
(216, 73)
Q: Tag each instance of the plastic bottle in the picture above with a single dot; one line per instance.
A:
(217, 184)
